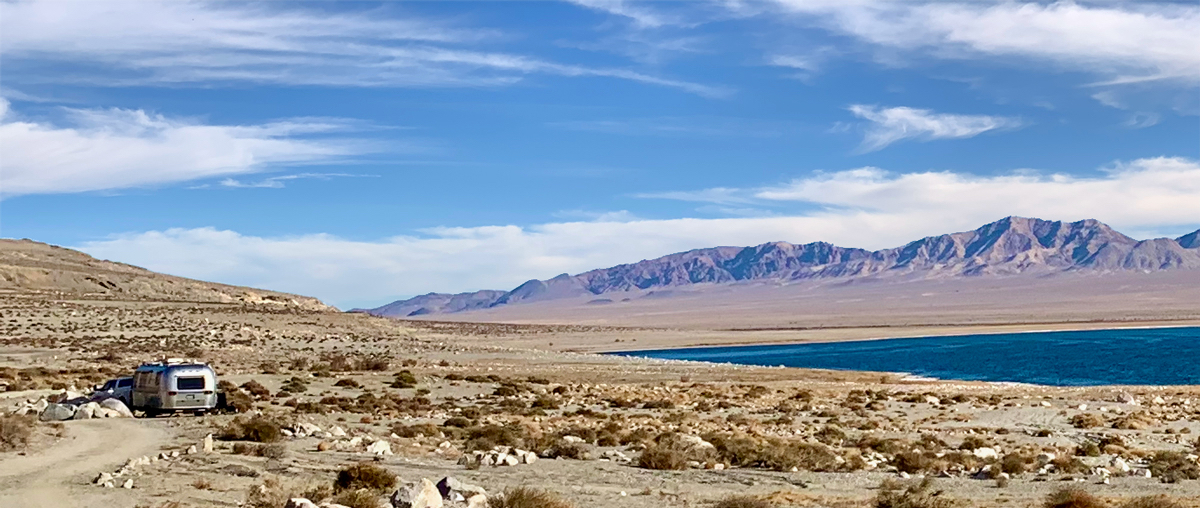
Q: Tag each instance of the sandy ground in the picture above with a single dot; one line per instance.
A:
(45, 342)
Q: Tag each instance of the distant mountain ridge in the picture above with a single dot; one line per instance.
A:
(1010, 246)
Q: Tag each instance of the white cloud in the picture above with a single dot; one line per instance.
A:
(168, 42)
(640, 15)
(858, 208)
(1121, 42)
(102, 149)
(890, 125)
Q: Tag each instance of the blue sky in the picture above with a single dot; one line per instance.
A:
(363, 152)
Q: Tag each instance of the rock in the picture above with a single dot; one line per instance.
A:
(931, 400)
(986, 453)
(337, 432)
(331, 505)
(1126, 398)
(299, 502)
(529, 458)
(64, 396)
(422, 494)
(1121, 465)
(380, 447)
(207, 443)
(128, 484)
(86, 411)
(191, 449)
(355, 442)
(1045, 458)
(103, 412)
(572, 439)
(1159, 400)
(510, 460)
(118, 406)
(103, 478)
(454, 490)
(57, 413)
(477, 501)
(324, 446)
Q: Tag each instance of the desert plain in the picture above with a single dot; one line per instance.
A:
(348, 409)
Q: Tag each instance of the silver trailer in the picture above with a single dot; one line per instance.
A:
(174, 385)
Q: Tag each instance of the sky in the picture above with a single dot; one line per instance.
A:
(367, 152)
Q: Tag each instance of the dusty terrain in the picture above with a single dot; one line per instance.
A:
(318, 393)
(843, 433)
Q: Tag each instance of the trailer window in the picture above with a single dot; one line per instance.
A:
(190, 383)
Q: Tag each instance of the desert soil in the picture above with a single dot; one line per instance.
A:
(540, 383)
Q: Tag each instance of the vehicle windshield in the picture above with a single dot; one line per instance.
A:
(112, 383)
(190, 383)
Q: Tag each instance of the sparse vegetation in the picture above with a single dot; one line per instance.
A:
(1072, 497)
(15, 431)
(261, 428)
(526, 497)
(742, 502)
(916, 494)
(364, 475)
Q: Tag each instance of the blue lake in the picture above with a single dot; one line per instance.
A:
(1159, 356)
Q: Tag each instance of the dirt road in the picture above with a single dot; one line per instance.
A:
(62, 474)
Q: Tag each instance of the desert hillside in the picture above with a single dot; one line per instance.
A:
(29, 267)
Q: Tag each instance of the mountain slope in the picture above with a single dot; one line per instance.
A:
(28, 267)
(1010, 246)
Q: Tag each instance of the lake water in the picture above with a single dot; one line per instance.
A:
(1157, 356)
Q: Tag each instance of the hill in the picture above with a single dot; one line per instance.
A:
(33, 268)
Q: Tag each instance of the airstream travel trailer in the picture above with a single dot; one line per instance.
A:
(174, 385)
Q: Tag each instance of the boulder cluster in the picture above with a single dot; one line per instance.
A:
(448, 493)
(70, 405)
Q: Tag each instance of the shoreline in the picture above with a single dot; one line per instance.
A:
(989, 329)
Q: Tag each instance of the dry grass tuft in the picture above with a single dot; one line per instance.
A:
(525, 497)
(1159, 501)
(1072, 498)
(364, 476)
(893, 494)
(261, 429)
(360, 498)
(15, 431)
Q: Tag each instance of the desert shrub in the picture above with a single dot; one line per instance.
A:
(658, 404)
(737, 449)
(799, 455)
(15, 431)
(893, 494)
(525, 497)
(567, 450)
(238, 401)
(1072, 497)
(295, 385)
(1014, 463)
(260, 428)
(974, 442)
(256, 389)
(347, 383)
(404, 379)
(1086, 421)
(1170, 467)
(490, 436)
(659, 456)
(457, 422)
(1159, 501)
(359, 498)
(364, 475)
(506, 390)
(275, 493)
(374, 363)
(830, 435)
(742, 502)
(419, 429)
(1088, 449)
(546, 402)
(913, 462)
(1070, 465)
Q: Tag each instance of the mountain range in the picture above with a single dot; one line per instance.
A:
(1010, 246)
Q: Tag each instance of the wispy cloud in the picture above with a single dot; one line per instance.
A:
(105, 149)
(889, 125)
(1123, 42)
(868, 208)
(278, 182)
(640, 14)
(703, 126)
(190, 43)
